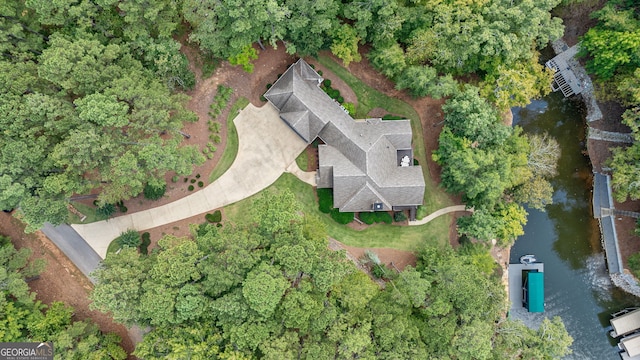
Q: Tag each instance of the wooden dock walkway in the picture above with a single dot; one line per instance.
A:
(597, 134)
(604, 211)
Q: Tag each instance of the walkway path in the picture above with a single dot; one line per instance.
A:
(435, 214)
(266, 149)
(597, 134)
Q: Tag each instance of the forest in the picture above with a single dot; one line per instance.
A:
(92, 100)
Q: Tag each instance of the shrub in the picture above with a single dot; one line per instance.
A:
(190, 188)
(342, 217)
(340, 99)
(106, 210)
(146, 241)
(269, 86)
(175, 178)
(210, 155)
(399, 216)
(325, 200)
(379, 271)
(351, 108)
(320, 72)
(154, 192)
(200, 184)
(211, 147)
(186, 179)
(216, 138)
(197, 176)
(262, 98)
(393, 117)
(415, 162)
(216, 217)
(129, 238)
(634, 264)
(327, 83)
(121, 206)
(384, 217)
(193, 181)
(367, 217)
(215, 127)
(421, 212)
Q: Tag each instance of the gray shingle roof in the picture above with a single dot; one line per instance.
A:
(360, 158)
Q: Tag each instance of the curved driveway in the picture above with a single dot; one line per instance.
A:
(267, 146)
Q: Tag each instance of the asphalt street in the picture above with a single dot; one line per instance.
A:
(74, 246)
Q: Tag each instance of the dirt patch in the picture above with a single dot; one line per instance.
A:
(60, 280)
(391, 257)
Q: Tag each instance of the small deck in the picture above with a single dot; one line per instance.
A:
(564, 78)
(515, 283)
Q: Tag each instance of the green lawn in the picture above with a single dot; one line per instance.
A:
(231, 149)
(369, 98)
(303, 161)
(88, 211)
(379, 235)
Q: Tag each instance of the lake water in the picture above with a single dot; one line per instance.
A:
(566, 238)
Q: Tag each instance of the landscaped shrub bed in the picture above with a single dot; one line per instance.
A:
(393, 117)
(367, 217)
(399, 216)
(325, 200)
(342, 217)
(220, 101)
(375, 217)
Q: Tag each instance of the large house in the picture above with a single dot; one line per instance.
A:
(368, 163)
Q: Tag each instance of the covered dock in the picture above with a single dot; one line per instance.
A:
(625, 322)
(630, 347)
(526, 293)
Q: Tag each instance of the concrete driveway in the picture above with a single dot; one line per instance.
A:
(267, 146)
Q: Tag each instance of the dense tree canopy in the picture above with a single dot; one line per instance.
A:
(493, 166)
(86, 103)
(612, 46)
(25, 319)
(271, 289)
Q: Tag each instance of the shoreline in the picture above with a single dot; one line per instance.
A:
(624, 280)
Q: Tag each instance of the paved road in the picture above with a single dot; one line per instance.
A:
(74, 246)
(267, 146)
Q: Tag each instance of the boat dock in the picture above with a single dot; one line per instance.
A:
(625, 322)
(630, 347)
(526, 294)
